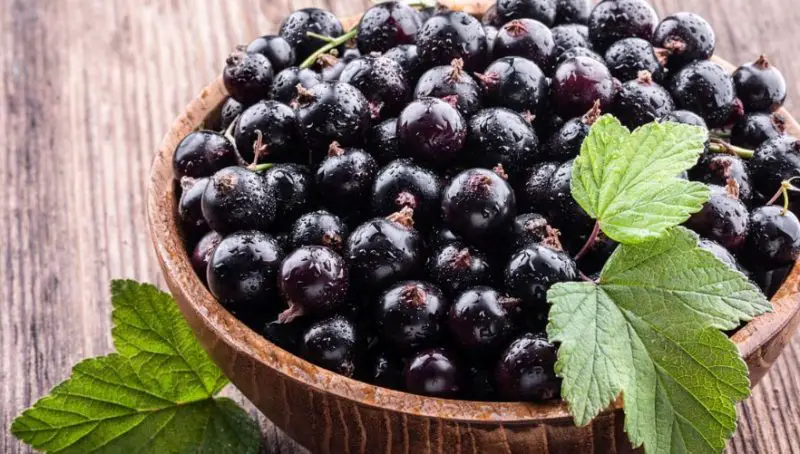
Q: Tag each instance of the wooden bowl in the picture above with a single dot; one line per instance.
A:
(327, 412)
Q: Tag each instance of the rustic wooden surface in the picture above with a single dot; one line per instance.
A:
(90, 86)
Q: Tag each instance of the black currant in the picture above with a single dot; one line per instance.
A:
(478, 203)
(566, 143)
(491, 35)
(382, 81)
(247, 77)
(386, 25)
(525, 370)
(706, 89)
(717, 168)
(331, 343)
(291, 186)
(344, 179)
(384, 369)
(230, 110)
(569, 36)
(529, 39)
(238, 199)
(432, 131)
(533, 270)
(202, 153)
(562, 209)
(319, 228)
(685, 117)
(490, 17)
(287, 336)
(277, 126)
(579, 82)
(613, 20)
(626, 58)
(434, 373)
(296, 26)
(332, 111)
(774, 238)
(279, 52)
(641, 101)
(313, 281)
(410, 315)
(534, 195)
(770, 281)
(528, 228)
(501, 136)
(723, 218)
(457, 267)
(404, 184)
(407, 56)
(544, 11)
(760, 86)
(442, 237)
(284, 87)
(573, 11)
(516, 83)
(451, 81)
(382, 141)
(201, 254)
(579, 52)
(756, 128)
(453, 34)
(190, 207)
(776, 160)
(482, 319)
(685, 37)
(330, 67)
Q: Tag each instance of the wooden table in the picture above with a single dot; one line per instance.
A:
(88, 89)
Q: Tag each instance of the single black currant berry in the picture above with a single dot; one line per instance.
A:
(331, 343)
(382, 141)
(383, 251)
(641, 101)
(451, 35)
(332, 111)
(723, 218)
(296, 26)
(774, 238)
(491, 35)
(566, 143)
(706, 89)
(432, 131)
(284, 87)
(613, 20)
(230, 110)
(526, 369)
(685, 117)
(534, 194)
(760, 86)
(403, 184)
(242, 271)
(533, 270)
(457, 267)
(529, 39)
(720, 253)
(190, 207)
(247, 77)
(717, 168)
(776, 160)
(478, 203)
(579, 82)
(313, 281)
(291, 186)
(344, 178)
(201, 254)
(573, 11)
(238, 199)
(516, 83)
(499, 135)
(276, 124)
(482, 319)
(201, 154)
(528, 228)
(628, 57)
(434, 373)
(446, 81)
(562, 209)
(756, 128)
(320, 228)
(410, 315)
(287, 336)
(569, 36)
(279, 52)
(544, 11)
(386, 25)
(685, 37)
(579, 52)
(407, 56)
(546, 126)
(382, 81)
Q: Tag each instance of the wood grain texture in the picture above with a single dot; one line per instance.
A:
(89, 88)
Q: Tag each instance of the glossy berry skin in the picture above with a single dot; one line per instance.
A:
(613, 20)
(320, 228)
(382, 81)
(760, 86)
(201, 254)
(433, 372)
(478, 203)
(231, 109)
(331, 343)
(291, 185)
(407, 56)
(382, 141)
(481, 319)
(533, 270)
(566, 143)
(295, 27)
(627, 57)
(457, 267)
(770, 281)
(330, 67)
(238, 199)
(525, 370)
(442, 237)
(774, 238)
(717, 168)
(686, 37)
(247, 77)
(641, 101)
(333, 111)
(201, 154)
(573, 11)
(775, 160)
(287, 336)
(526, 38)
(313, 281)
(501, 136)
(243, 268)
(706, 89)
(280, 133)
(491, 35)
(284, 87)
(405, 184)
(345, 178)
(516, 83)
(534, 193)
(410, 315)
(578, 83)
(723, 219)
(431, 131)
(381, 252)
(190, 207)
(756, 128)
(562, 209)
(721, 253)
(386, 25)
(543, 11)
(579, 52)
(446, 81)
(569, 36)
(451, 35)
(279, 52)
(528, 228)
(685, 117)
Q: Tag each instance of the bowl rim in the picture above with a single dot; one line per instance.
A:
(174, 261)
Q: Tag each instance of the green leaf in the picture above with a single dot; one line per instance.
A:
(649, 330)
(155, 396)
(628, 181)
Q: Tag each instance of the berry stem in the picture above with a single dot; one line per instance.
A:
(327, 39)
(417, 3)
(786, 186)
(335, 42)
(720, 146)
(589, 242)
(261, 167)
(719, 134)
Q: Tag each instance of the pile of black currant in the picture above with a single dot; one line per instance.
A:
(393, 202)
